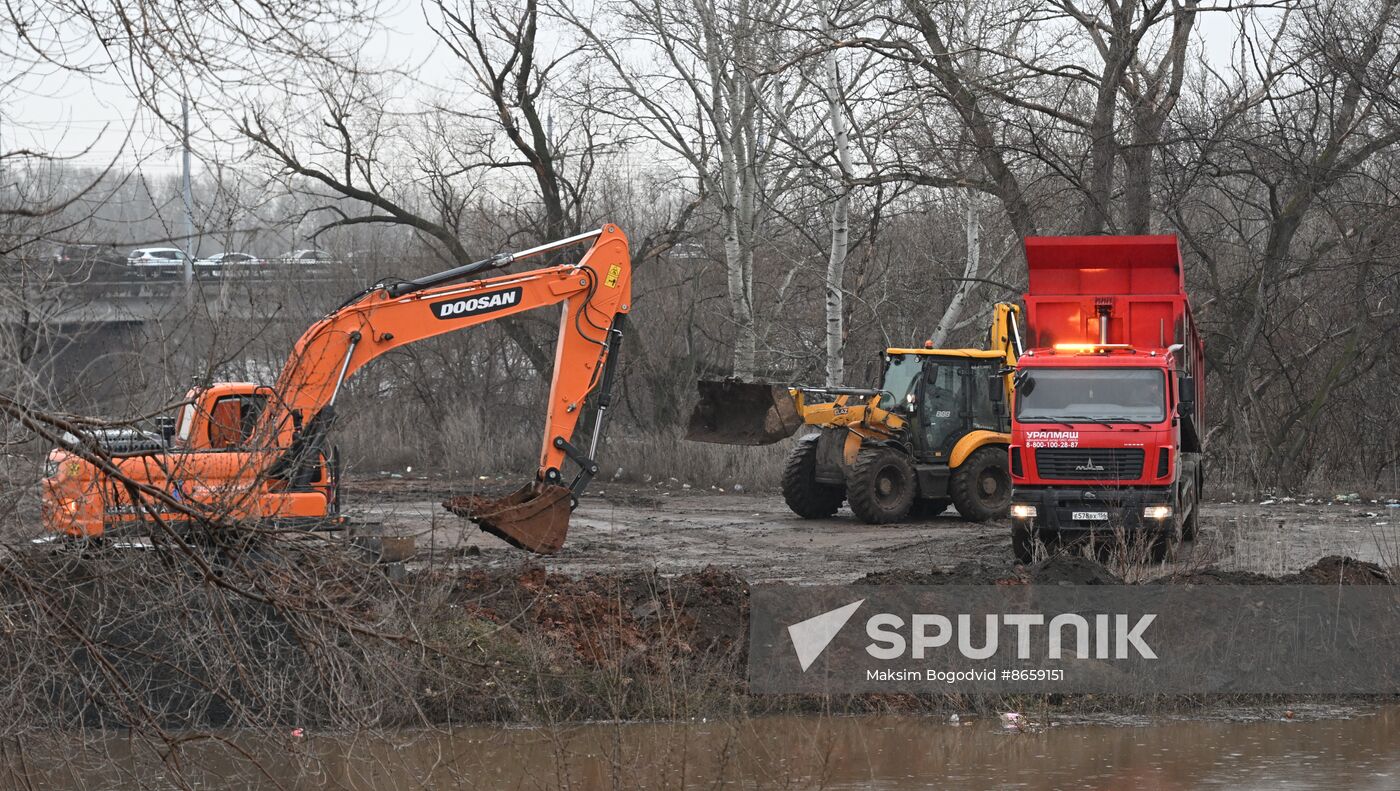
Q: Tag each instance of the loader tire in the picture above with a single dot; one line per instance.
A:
(981, 485)
(805, 495)
(881, 486)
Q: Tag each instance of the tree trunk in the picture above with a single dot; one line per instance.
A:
(840, 231)
(974, 263)
(738, 258)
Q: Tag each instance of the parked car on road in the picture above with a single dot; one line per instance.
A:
(87, 260)
(157, 261)
(229, 263)
(307, 258)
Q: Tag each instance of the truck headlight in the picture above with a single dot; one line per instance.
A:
(1157, 512)
(1022, 511)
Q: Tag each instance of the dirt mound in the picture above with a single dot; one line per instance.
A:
(1071, 570)
(1214, 576)
(1338, 570)
(613, 619)
(1331, 570)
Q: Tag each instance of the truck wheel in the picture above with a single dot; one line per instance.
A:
(981, 485)
(807, 497)
(1022, 544)
(1166, 542)
(1191, 527)
(929, 507)
(881, 486)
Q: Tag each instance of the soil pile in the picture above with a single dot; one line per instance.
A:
(1331, 570)
(1338, 570)
(603, 620)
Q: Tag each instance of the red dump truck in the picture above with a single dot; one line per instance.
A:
(1107, 420)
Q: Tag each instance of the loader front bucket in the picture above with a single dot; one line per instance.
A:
(731, 412)
(534, 517)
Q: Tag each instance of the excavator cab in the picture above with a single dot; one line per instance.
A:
(219, 417)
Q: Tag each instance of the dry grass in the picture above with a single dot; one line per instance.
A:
(469, 442)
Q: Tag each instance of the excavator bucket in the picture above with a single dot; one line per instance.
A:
(534, 517)
(731, 412)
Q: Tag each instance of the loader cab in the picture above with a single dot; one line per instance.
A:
(945, 394)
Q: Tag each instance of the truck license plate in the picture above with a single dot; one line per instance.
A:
(1090, 516)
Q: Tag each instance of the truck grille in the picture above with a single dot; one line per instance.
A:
(1089, 464)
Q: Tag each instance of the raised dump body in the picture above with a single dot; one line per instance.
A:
(1108, 409)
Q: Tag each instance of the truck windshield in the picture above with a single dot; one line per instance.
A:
(1092, 394)
(900, 378)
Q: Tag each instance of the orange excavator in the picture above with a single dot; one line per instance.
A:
(243, 453)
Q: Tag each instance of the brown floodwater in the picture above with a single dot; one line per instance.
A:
(1362, 752)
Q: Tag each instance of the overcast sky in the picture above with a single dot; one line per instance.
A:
(87, 118)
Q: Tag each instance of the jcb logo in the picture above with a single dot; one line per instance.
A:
(473, 306)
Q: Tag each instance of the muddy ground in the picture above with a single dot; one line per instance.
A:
(675, 530)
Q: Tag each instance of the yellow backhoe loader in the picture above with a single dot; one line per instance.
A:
(935, 432)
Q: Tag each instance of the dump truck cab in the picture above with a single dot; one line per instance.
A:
(1107, 408)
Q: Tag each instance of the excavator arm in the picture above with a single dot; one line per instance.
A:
(1005, 334)
(595, 295)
